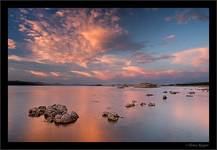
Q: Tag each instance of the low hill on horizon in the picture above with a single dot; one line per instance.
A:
(18, 82)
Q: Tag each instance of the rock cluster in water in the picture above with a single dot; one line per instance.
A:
(55, 113)
(190, 94)
(133, 103)
(111, 116)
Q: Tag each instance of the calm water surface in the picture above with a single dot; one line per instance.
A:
(178, 119)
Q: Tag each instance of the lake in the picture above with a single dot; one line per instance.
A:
(176, 119)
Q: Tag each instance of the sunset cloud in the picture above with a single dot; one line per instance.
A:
(22, 59)
(16, 58)
(38, 73)
(11, 44)
(112, 60)
(44, 74)
(133, 71)
(184, 16)
(60, 14)
(92, 45)
(23, 10)
(22, 28)
(55, 74)
(78, 38)
(82, 73)
(141, 57)
(194, 57)
(104, 75)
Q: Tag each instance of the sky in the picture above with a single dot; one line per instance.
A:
(108, 45)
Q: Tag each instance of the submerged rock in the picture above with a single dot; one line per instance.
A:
(33, 111)
(173, 92)
(37, 111)
(191, 92)
(151, 104)
(165, 92)
(189, 95)
(130, 105)
(74, 115)
(105, 114)
(142, 103)
(113, 117)
(58, 118)
(149, 94)
(67, 118)
(120, 87)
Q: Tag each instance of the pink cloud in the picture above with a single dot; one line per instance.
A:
(127, 72)
(44, 74)
(115, 18)
(133, 71)
(97, 74)
(55, 74)
(95, 13)
(194, 57)
(22, 28)
(38, 73)
(141, 57)
(78, 39)
(16, 58)
(186, 15)
(104, 75)
(60, 13)
(82, 73)
(24, 11)
(11, 44)
(22, 59)
(112, 60)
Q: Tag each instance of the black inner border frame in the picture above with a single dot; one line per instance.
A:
(110, 4)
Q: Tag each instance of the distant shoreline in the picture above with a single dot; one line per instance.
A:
(27, 83)
(189, 84)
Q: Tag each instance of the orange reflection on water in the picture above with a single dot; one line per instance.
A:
(87, 127)
(180, 113)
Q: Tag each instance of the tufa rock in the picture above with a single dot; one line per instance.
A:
(142, 103)
(149, 94)
(151, 104)
(55, 113)
(130, 105)
(111, 116)
(189, 95)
